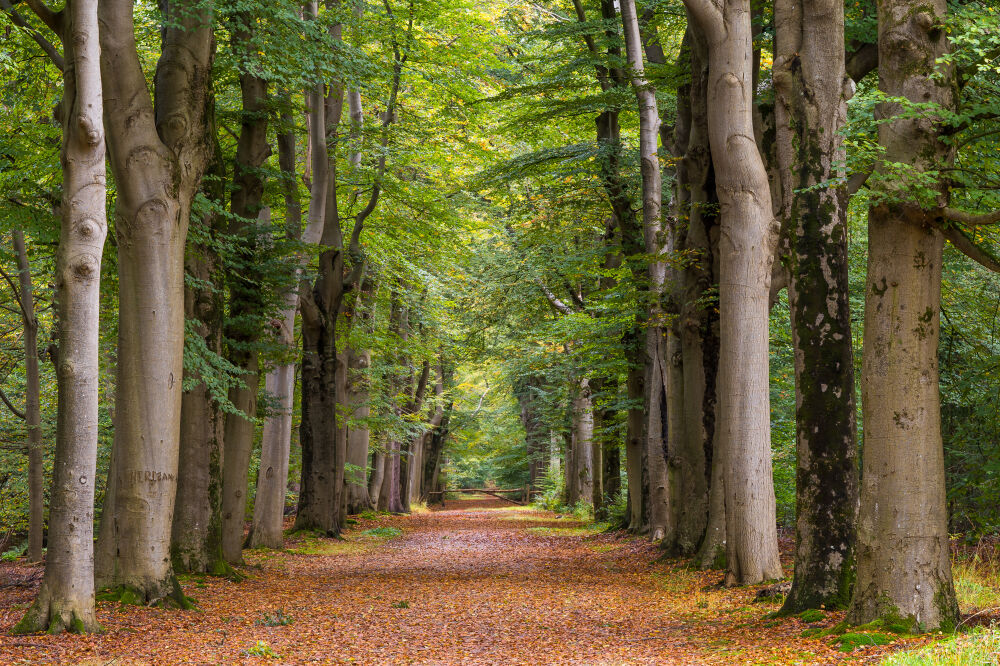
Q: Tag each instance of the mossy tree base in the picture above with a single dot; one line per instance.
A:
(45, 616)
(170, 596)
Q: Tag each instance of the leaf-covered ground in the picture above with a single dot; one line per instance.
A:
(477, 583)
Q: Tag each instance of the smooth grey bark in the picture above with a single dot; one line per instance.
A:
(612, 76)
(811, 92)
(196, 531)
(656, 245)
(904, 565)
(746, 248)
(158, 155)
(65, 601)
(248, 224)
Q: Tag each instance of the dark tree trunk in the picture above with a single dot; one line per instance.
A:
(811, 90)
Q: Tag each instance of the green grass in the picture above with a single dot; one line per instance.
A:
(976, 648)
(977, 582)
(851, 641)
(383, 532)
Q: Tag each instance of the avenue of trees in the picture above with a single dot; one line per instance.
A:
(705, 268)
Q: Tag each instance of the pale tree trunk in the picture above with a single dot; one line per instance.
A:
(272, 481)
(32, 400)
(904, 566)
(744, 286)
(633, 249)
(579, 458)
(554, 464)
(712, 552)
(65, 600)
(246, 302)
(811, 89)
(196, 531)
(655, 357)
(158, 157)
(356, 498)
(377, 477)
(406, 469)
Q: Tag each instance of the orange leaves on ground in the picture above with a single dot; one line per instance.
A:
(478, 583)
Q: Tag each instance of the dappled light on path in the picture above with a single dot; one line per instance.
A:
(479, 582)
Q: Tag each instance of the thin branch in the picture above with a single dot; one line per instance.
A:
(554, 301)
(17, 412)
(17, 292)
(49, 17)
(51, 51)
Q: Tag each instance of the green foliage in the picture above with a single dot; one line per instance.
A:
(401, 604)
(812, 615)
(14, 553)
(263, 650)
(979, 646)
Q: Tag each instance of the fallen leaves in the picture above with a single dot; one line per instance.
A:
(478, 583)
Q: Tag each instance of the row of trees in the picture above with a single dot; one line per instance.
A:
(208, 287)
(728, 195)
(644, 186)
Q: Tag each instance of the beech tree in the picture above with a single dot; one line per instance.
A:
(904, 567)
(65, 601)
(811, 89)
(159, 152)
(746, 247)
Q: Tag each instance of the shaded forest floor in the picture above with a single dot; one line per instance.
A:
(480, 582)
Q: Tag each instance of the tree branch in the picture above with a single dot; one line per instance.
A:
(554, 301)
(861, 61)
(17, 412)
(971, 220)
(54, 20)
(51, 51)
(968, 247)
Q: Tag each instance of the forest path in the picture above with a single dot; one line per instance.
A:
(480, 582)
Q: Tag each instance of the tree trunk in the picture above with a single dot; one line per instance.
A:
(357, 499)
(32, 401)
(65, 600)
(655, 356)
(196, 531)
(377, 477)
(248, 225)
(811, 88)
(579, 456)
(904, 566)
(534, 436)
(157, 157)
(744, 289)
(697, 323)
(272, 480)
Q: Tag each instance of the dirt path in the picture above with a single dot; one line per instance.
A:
(479, 583)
